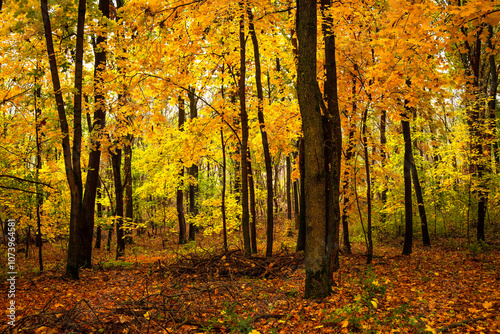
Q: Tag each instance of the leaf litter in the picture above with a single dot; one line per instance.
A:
(436, 289)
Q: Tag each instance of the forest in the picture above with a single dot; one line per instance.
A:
(250, 166)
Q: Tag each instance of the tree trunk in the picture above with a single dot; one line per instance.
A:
(245, 219)
(98, 236)
(301, 235)
(333, 140)
(223, 202)
(193, 172)
(317, 255)
(116, 161)
(253, 211)
(383, 142)
(72, 154)
(289, 193)
(98, 124)
(263, 132)
(408, 243)
(180, 196)
(369, 255)
(39, 195)
(492, 99)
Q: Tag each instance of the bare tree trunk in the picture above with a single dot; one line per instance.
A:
(245, 219)
(72, 154)
(369, 252)
(301, 235)
(253, 211)
(265, 141)
(223, 204)
(39, 195)
(193, 172)
(408, 243)
(116, 161)
(180, 196)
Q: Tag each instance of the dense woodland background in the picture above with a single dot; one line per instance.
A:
(183, 121)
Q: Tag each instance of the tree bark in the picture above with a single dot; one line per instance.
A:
(245, 216)
(369, 255)
(116, 161)
(193, 172)
(265, 141)
(72, 154)
(408, 243)
(223, 202)
(253, 210)
(301, 235)
(333, 139)
(39, 195)
(317, 256)
(98, 124)
(180, 195)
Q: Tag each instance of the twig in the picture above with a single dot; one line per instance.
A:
(460, 323)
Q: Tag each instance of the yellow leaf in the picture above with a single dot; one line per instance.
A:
(345, 323)
(146, 315)
(487, 305)
(318, 327)
(374, 302)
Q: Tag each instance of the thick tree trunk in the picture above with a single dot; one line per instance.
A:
(265, 141)
(333, 140)
(317, 255)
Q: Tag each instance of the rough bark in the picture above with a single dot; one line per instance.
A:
(317, 260)
(332, 139)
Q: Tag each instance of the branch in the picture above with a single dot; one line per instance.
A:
(18, 189)
(24, 180)
(221, 114)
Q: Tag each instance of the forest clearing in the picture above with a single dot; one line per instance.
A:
(449, 288)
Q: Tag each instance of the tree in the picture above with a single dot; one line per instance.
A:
(265, 141)
(245, 217)
(320, 153)
(72, 154)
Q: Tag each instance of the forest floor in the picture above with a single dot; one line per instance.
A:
(161, 287)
